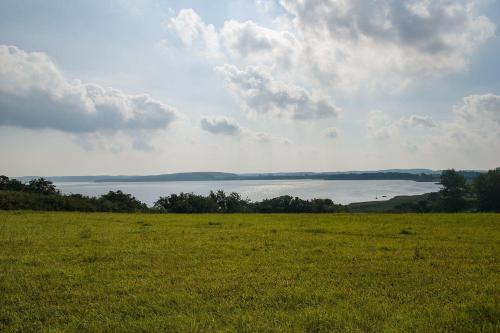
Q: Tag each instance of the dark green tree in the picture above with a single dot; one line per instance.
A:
(11, 184)
(487, 188)
(454, 191)
(121, 202)
(187, 203)
(42, 186)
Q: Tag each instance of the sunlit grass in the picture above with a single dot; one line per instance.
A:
(245, 273)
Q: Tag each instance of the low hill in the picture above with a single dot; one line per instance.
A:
(419, 175)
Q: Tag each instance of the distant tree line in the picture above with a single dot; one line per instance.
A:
(41, 194)
(459, 193)
(40, 186)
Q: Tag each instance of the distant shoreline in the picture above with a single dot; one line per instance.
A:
(418, 175)
(146, 179)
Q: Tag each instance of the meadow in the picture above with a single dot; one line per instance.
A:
(105, 272)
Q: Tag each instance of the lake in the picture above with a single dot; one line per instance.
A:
(340, 191)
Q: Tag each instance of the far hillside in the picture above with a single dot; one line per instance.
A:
(419, 175)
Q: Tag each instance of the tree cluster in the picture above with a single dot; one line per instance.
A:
(219, 202)
(487, 189)
(481, 193)
(41, 194)
(40, 186)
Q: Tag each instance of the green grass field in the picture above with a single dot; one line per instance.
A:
(76, 272)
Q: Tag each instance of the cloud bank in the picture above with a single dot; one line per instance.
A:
(471, 134)
(350, 44)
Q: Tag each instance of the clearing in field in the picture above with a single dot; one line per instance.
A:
(246, 273)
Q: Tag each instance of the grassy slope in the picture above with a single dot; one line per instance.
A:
(384, 206)
(118, 272)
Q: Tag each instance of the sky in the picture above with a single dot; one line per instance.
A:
(92, 87)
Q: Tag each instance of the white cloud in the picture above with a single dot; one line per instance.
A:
(261, 137)
(476, 123)
(347, 45)
(353, 43)
(35, 94)
(192, 31)
(470, 136)
(481, 107)
(259, 44)
(259, 93)
(221, 125)
(414, 121)
(381, 126)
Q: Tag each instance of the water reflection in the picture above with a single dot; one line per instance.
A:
(340, 191)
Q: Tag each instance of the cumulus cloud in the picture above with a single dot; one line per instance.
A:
(381, 126)
(351, 44)
(472, 130)
(330, 133)
(35, 94)
(427, 26)
(387, 42)
(260, 93)
(221, 125)
(259, 44)
(192, 31)
(476, 122)
(471, 134)
(480, 107)
(415, 121)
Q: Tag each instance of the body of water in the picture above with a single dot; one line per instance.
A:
(340, 191)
